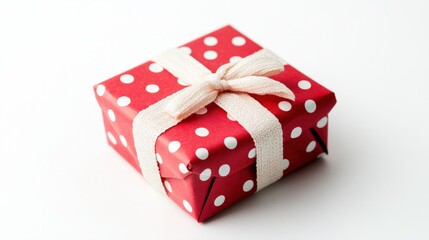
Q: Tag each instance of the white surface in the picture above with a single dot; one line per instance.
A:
(59, 179)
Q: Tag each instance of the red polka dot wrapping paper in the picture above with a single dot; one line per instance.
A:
(207, 161)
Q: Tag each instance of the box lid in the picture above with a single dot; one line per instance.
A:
(210, 142)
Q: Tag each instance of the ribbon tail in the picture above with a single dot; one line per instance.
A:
(261, 86)
(189, 100)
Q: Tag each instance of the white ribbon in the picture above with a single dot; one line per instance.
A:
(228, 88)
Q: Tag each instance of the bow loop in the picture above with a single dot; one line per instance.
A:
(248, 75)
(262, 63)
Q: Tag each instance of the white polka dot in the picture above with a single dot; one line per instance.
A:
(183, 169)
(111, 115)
(123, 101)
(230, 142)
(321, 155)
(152, 88)
(202, 132)
(304, 84)
(187, 206)
(159, 158)
(285, 164)
(168, 186)
(183, 83)
(202, 153)
(219, 200)
(186, 50)
(201, 111)
(127, 78)
(296, 132)
(112, 138)
(235, 59)
(248, 185)
(210, 55)
(100, 90)
(206, 174)
(252, 153)
(173, 146)
(230, 117)
(155, 68)
(322, 122)
(311, 146)
(123, 140)
(210, 41)
(285, 106)
(224, 170)
(310, 106)
(238, 41)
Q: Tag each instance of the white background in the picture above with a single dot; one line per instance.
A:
(60, 180)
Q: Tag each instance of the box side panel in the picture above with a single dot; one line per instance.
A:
(118, 135)
(230, 189)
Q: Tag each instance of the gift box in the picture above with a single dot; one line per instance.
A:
(207, 129)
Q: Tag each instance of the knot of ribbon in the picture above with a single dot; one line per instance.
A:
(248, 75)
(219, 85)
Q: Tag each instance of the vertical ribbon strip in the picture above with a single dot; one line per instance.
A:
(228, 88)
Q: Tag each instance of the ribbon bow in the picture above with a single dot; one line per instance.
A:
(227, 87)
(248, 75)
